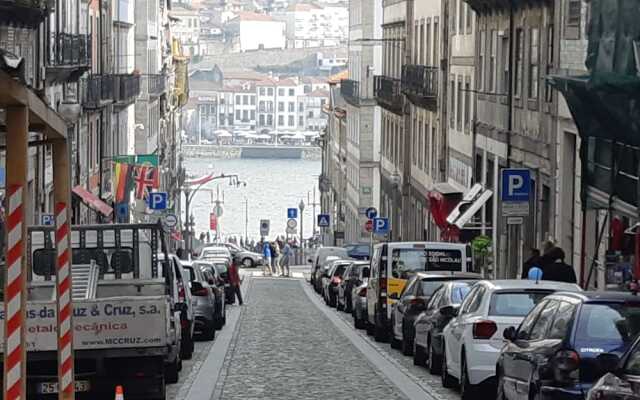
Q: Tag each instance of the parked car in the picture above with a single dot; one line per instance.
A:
(318, 260)
(473, 339)
(218, 285)
(412, 301)
(622, 376)
(359, 304)
(442, 307)
(554, 352)
(353, 277)
(243, 257)
(358, 251)
(204, 301)
(320, 273)
(332, 279)
(217, 251)
(222, 267)
(185, 305)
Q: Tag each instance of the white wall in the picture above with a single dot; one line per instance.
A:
(268, 34)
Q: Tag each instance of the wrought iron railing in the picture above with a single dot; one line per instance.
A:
(67, 49)
(127, 88)
(387, 92)
(155, 84)
(350, 91)
(420, 80)
(98, 90)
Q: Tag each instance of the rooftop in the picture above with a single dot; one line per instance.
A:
(335, 79)
(319, 93)
(251, 16)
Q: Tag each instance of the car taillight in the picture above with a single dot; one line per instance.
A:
(181, 295)
(416, 301)
(336, 280)
(484, 329)
(567, 366)
(362, 292)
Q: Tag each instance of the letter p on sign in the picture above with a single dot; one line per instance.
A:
(516, 184)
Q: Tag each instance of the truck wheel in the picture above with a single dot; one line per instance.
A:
(171, 374)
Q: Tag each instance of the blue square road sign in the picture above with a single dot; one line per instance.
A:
(158, 200)
(516, 184)
(324, 220)
(292, 213)
(381, 226)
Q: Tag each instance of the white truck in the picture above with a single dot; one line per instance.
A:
(126, 320)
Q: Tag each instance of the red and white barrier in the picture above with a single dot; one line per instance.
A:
(63, 291)
(14, 284)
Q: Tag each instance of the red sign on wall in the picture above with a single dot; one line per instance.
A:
(213, 222)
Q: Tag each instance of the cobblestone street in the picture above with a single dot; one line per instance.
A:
(285, 348)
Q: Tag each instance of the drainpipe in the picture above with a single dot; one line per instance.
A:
(408, 128)
(512, 44)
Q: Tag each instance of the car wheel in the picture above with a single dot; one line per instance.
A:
(434, 365)
(358, 323)
(187, 350)
(467, 390)
(171, 374)
(407, 342)
(379, 333)
(419, 356)
(339, 306)
(447, 380)
(395, 343)
(209, 332)
(369, 327)
(247, 262)
(500, 387)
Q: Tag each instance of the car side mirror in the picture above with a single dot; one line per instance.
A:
(509, 334)
(608, 362)
(394, 296)
(310, 260)
(449, 311)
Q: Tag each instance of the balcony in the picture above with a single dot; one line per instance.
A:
(28, 12)
(420, 85)
(154, 84)
(69, 56)
(387, 92)
(350, 91)
(97, 91)
(127, 88)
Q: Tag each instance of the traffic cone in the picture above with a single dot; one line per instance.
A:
(119, 393)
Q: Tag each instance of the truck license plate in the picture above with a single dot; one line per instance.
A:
(52, 387)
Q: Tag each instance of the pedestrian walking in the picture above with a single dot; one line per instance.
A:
(266, 253)
(235, 282)
(532, 261)
(555, 269)
(275, 254)
(285, 259)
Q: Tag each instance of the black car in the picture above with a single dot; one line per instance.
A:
(555, 351)
(352, 277)
(413, 301)
(443, 305)
(216, 284)
(358, 251)
(622, 382)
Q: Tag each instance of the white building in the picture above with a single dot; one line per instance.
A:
(266, 97)
(287, 91)
(310, 115)
(187, 29)
(252, 31)
(245, 106)
(314, 24)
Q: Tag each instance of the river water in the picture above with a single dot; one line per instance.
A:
(273, 185)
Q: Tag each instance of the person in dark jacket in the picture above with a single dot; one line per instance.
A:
(234, 281)
(532, 261)
(555, 269)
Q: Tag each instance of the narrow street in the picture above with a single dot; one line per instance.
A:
(285, 346)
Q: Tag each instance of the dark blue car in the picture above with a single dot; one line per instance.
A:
(358, 251)
(554, 353)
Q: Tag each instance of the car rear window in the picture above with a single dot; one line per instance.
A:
(515, 304)
(609, 322)
(430, 286)
(189, 273)
(340, 270)
(459, 291)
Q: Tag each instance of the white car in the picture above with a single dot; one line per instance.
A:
(473, 339)
(216, 252)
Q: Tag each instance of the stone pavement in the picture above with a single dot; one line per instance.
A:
(285, 348)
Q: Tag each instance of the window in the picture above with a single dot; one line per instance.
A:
(504, 56)
(611, 323)
(461, 6)
(262, 91)
(548, 90)
(469, 18)
(301, 121)
(280, 120)
(561, 323)
(281, 106)
(459, 105)
(534, 63)
(519, 53)
(454, 13)
(238, 116)
(300, 107)
(492, 61)
(427, 60)
(452, 96)
(261, 106)
(270, 120)
(515, 304)
(270, 91)
(529, 320)
(420, 143)
(253, 115)
(435, 298)
(459, 291)
(245, 115)
(292, 107)
(261, 119)
(292, 92)
(280, 92)
(419, 53)
(310, 114)
(237, 99)
(245, 99)
(573, 20)
(291, 120)
(253, 100)
(467, 102)
(436, 43)
(474, 302)
(480, 82)
(540, 328)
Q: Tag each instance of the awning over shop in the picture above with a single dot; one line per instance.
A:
(442, 200)
(93, 201)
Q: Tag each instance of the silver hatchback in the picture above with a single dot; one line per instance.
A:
(204, 301)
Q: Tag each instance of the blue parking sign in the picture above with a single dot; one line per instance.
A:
(381, 226)
(292, 213)
(158, 201)
(516, 184)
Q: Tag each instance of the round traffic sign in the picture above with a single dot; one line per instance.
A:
(371, 212)
(170, 220)
(369, 225)
(292, 223)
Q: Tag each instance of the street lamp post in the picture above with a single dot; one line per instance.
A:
(246, 219)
